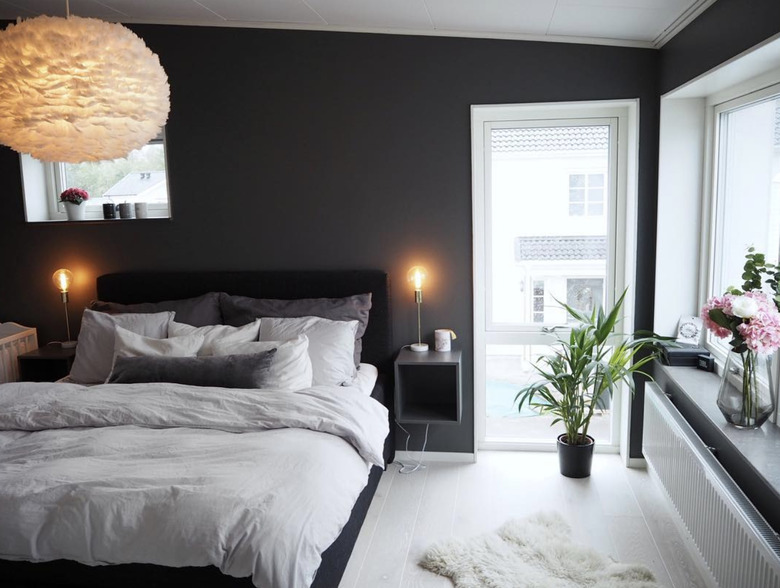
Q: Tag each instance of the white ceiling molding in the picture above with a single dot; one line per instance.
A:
(630, 23)
(682, 21)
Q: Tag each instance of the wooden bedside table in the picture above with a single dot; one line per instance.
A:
(46, 364)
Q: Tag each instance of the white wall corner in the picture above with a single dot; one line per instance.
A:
(680, 179)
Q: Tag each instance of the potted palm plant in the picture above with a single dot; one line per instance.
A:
(584, 367)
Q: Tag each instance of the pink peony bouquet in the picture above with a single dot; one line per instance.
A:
(74, 195)
(751, 319)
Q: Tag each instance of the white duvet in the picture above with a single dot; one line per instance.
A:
(255, 482)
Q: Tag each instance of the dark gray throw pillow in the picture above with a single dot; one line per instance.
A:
(240, 310)
(228, 371)
(200, 311)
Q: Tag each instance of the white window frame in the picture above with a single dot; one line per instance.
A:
(714, 177)
(43, 182)
(621, 240)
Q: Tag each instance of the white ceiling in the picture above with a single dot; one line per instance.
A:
(642, 23)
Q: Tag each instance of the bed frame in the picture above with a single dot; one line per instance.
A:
(135, 287)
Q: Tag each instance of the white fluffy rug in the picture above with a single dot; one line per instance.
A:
(531, 553)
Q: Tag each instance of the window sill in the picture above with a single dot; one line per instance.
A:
(96, 221)
(749, 456)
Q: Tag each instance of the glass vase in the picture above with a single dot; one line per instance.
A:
(747, 389)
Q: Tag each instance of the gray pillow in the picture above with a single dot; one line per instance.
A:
(240, 310)
(229, 371)
(198, 312)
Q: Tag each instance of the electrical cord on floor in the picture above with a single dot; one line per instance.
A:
(406, 468)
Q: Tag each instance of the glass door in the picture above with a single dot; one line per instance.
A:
(548, 214)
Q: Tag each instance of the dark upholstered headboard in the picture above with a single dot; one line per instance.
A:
(135, 287)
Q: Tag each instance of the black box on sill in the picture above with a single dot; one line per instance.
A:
(681, 354)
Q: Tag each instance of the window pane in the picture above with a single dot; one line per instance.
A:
(139, 177)
(509, 368)
(585, 294)
(595, 195)
(539, 227)
(748, 191)
(596, 180)
(595, 209)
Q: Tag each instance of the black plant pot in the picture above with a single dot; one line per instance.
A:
(575, 460)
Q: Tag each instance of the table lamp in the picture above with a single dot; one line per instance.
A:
(62, 279)
(416, 277)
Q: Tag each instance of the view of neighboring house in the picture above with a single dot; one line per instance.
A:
(149, 186)
(549, 211)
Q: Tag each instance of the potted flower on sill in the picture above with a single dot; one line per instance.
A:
(751, 318)
(73, 198)
(581, 370)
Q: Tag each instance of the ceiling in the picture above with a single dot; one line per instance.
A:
(639, 23)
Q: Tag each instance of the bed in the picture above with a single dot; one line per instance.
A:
(377, 350)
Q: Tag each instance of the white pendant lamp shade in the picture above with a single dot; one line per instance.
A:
(78, 89)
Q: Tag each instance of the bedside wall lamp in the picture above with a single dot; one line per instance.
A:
(416, 276)
(62, 279)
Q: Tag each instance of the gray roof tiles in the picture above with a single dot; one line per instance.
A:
(560, 248)
(579, 138)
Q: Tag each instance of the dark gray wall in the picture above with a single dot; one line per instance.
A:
(725, 29)
(308, 150)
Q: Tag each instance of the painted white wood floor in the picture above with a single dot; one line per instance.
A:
(618, 511)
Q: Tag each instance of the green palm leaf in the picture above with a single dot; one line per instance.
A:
(584, 366)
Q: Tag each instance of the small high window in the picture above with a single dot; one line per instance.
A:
(139, 177)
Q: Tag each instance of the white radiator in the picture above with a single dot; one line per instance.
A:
(14, 340)
(736, 543)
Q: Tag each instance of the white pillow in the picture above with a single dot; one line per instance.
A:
(95, 349)
(331, 345)
(129, 344)
(290, 367)
(214, 333)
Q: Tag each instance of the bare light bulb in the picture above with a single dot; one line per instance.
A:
(62, 279)
(417, 276)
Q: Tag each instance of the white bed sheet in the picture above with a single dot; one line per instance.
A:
(119, 474)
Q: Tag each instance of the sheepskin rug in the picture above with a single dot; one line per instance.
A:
(534, 552)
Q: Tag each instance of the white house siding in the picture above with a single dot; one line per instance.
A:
(530, 197)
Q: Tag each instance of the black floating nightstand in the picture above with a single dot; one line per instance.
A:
(427, 387)
(46, 364)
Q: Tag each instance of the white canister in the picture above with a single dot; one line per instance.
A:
(141, 211)
(443, 339)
